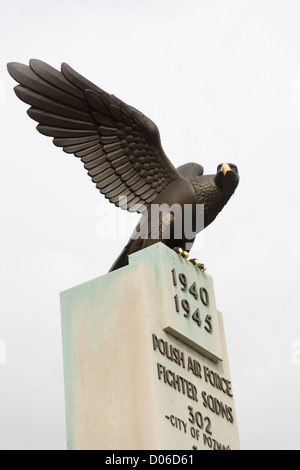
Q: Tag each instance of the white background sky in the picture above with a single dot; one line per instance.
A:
(221, 79)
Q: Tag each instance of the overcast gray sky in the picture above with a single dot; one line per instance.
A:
(221, 79)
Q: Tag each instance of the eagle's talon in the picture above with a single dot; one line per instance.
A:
(178, 250)
(181, 252)
(197, 264)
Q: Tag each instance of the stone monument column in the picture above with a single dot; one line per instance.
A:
(145, 359)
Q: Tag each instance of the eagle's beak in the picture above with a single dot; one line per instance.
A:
(225, 168)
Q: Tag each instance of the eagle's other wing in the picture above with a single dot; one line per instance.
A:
(119, 146)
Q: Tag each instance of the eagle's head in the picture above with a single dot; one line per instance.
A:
(227, 178)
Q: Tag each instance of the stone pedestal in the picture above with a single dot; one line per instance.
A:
(145, 359)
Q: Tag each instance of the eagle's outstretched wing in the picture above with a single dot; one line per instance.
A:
(119, 146)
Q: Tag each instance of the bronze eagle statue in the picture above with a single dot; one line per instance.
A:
(121, 150)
